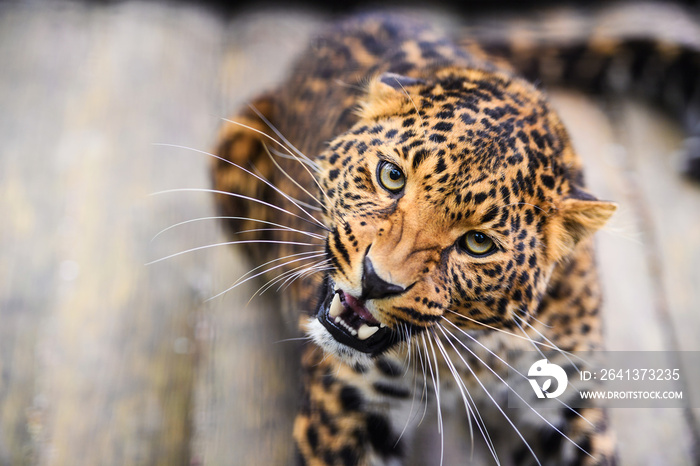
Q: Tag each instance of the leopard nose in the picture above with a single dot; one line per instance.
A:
(374, 287)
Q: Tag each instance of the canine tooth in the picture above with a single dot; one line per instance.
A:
(365, 331)
(382, 325)
(336, 306)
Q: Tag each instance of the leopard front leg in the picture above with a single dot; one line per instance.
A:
(568, 437)
(594, 439)
(353, 415)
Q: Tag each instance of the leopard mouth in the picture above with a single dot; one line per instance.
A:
(348, 320)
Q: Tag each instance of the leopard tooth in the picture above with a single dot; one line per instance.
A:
(336, 306)
(365, 331)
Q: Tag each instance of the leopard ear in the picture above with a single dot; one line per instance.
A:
(385, 95)
(579, 217)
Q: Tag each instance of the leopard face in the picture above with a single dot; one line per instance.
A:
(451, 199)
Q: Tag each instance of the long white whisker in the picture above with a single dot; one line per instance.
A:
(248, 198)
(262, 117)
(407, 339)
(507, 385)
(306, 253)
(217, 217)
(251, 174)
(312, 269)
(240, 282)
(557, 399)
(537, 348)
(472, 410)
(278, 133)
(436, 384)
(533, 342)
(301, 155)
(322, 267)
(300, 202)
(483, 346)
(460, 385)
(278, 279)
(562, 352)
(270, 283)
(424, 393)
(290, 230)
(527, 314)
(309, 206)
(413, 396)
(292, 274)
(289, 177)
(312, 165)
(229, 243)
(483, 387)
(286, 340)
(496, 329)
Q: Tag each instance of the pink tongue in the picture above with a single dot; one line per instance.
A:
(358, 307)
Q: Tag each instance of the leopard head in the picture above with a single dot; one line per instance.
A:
(451, 199)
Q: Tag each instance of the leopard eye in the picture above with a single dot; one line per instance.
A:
(477, 243)
(391, 177)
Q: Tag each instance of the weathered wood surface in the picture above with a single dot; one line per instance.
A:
(104, 360)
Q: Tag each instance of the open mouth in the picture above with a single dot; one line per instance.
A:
(350, 323)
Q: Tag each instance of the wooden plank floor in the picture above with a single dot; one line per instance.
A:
(104, 360)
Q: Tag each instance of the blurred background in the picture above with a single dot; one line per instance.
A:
(107, 360)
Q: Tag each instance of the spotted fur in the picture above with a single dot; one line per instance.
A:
(481, 150)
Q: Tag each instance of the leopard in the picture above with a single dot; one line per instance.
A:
(421, 204)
